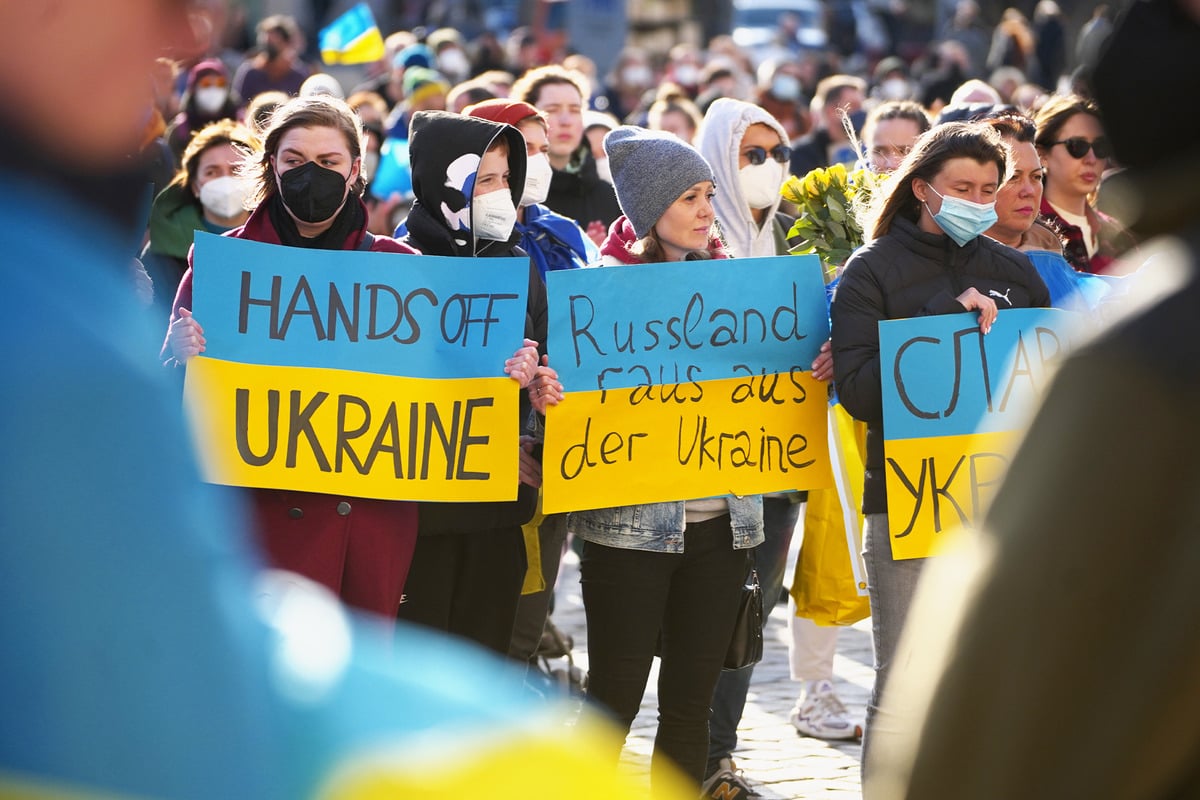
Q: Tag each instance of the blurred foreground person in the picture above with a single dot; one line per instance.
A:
(1055, 654)
(144, 654)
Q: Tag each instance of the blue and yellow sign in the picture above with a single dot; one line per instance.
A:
(954, 403)
(686, 380)
(369, 374)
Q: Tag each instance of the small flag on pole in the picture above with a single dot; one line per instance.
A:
(352, 38)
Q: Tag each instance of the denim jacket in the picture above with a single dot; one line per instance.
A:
(659, 527)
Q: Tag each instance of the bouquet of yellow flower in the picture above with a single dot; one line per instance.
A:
(830, 201)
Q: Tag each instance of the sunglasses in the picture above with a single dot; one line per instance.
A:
(1078, 147)
(758, 155)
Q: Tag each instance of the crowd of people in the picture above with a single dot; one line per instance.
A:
(454, 147)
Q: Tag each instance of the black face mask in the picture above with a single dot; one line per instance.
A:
(311, 192)
(272, 50)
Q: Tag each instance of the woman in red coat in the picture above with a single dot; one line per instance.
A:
(310, 189)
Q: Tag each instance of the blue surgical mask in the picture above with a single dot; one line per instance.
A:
(961, 219)
(785, 87)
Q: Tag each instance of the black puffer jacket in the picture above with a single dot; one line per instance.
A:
(439, 224)
(911, 273)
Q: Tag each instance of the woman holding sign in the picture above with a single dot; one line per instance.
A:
(666, 574)
(468, 177)
(925, 255)
(310, 185)
(748, 150)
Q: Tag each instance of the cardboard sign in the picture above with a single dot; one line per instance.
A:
(685, 380)
(954, 404)
(370, 374)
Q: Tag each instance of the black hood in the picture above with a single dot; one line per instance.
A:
(444, 151)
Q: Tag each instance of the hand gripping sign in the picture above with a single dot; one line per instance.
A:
(954, 404)
(370, 374)
(685, 380)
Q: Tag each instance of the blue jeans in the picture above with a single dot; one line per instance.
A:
(690, 599)
(891, 585)
(729, 701)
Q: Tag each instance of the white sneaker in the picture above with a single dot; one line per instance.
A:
(821, 714)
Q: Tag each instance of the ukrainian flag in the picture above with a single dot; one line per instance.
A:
(352, 38)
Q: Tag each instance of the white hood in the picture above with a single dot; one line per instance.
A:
(719, 141)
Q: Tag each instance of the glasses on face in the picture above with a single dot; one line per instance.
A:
(891, 151)
(1078, 147)
(758, 155)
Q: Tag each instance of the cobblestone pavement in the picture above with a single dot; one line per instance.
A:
(777, 761)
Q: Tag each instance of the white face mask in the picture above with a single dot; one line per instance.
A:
(493, 215)
(226, 197)
(687, 74)
(895, 89)
(370, 163)
(538, 173)
(636, 75)
(760, 184)
(603, 170)
(454, 63)
(209, 99)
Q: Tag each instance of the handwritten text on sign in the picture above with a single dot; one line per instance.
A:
(954, 402)
(685, 380)
(369, 374)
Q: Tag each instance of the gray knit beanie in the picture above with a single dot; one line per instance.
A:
(650, 170)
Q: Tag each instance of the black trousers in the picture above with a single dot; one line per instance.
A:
(467, 584)
(690, 599)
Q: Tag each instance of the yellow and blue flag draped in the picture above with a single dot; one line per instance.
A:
(352, 38)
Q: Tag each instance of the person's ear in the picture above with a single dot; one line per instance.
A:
(920, 189)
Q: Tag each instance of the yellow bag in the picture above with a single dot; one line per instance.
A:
(830, 585)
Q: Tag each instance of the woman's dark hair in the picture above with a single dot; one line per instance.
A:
(1053, 115)
(317, 111)
(1012, 125)
(929, 155)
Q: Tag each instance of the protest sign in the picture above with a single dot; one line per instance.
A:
(685, 380)
(370, 374)
(954, 404)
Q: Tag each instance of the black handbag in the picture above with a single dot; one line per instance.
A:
(746, 644)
